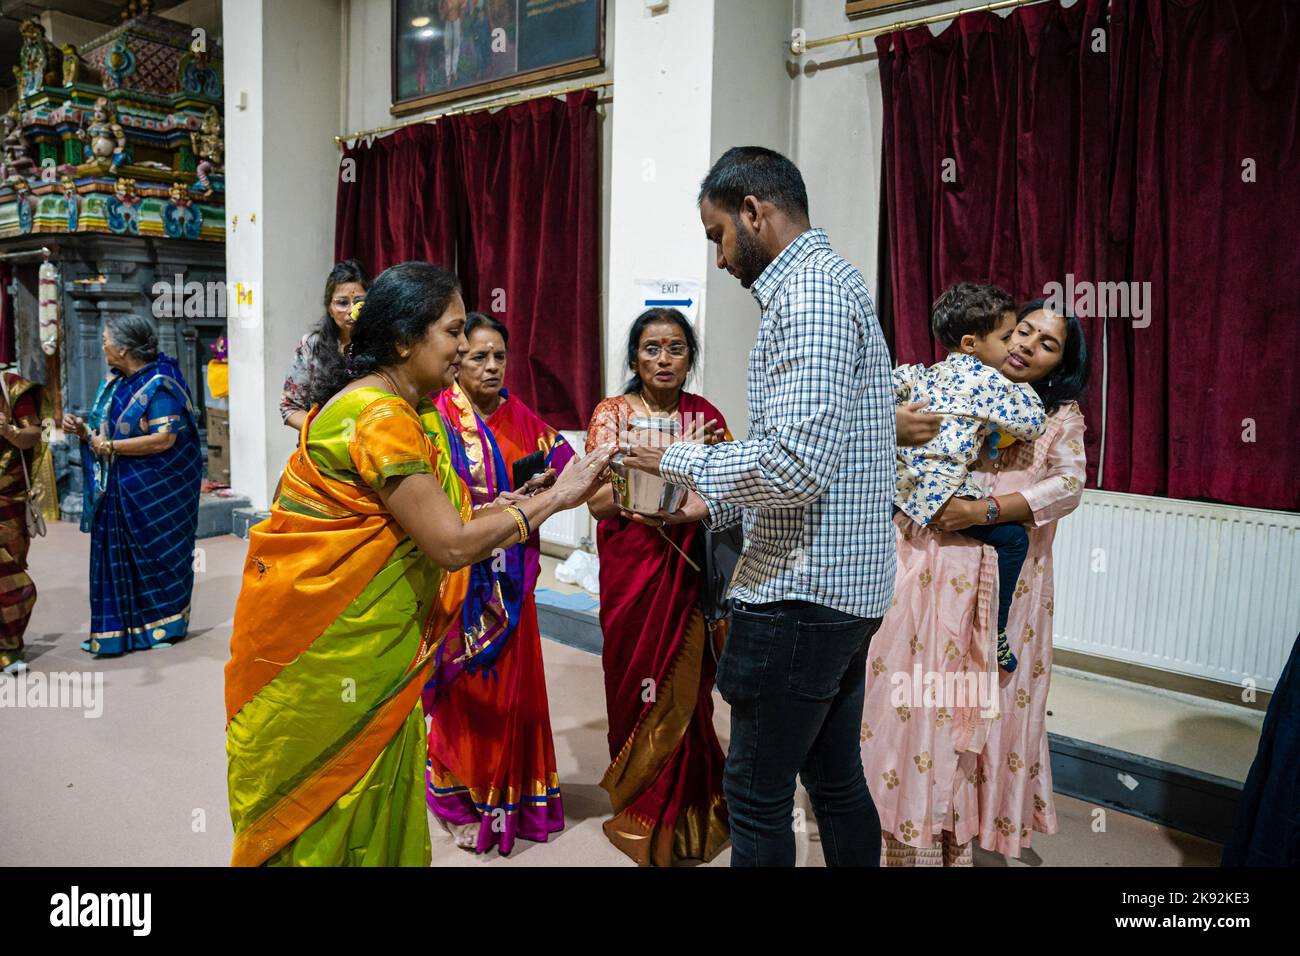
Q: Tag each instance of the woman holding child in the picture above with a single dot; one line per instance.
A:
(965, 757)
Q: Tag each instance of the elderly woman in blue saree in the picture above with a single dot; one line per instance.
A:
(141, 469)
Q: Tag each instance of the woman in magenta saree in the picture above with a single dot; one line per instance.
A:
(665, 775)
(492, 770)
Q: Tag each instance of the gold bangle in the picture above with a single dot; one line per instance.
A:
(519, 521)
(523, 524)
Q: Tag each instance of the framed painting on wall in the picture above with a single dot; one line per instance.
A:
(865, 8)
(445, 50)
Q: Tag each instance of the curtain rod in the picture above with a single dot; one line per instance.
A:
(505, 100)
(798, 46)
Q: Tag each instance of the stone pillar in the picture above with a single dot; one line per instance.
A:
(282, 60)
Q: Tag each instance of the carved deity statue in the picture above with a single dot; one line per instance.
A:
(209, 149)
(71, 64)
(38, 59)
(104, 140)
(125, 191)
(17, 151)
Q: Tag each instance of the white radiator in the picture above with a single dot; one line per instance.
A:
(1200, 589)
(570, 529)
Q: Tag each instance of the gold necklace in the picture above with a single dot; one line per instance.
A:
(392, 386)
(662, 413)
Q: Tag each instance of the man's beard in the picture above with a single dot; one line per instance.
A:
(751, 260)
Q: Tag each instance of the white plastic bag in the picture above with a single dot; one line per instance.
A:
(581, 568)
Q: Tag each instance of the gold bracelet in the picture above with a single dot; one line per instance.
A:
(519, 520)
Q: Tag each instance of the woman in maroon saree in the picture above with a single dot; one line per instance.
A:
(20, 431)
(665, 775)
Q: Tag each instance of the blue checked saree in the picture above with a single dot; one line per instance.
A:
(142, 512)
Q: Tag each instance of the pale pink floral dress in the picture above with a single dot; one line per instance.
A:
(942, 768)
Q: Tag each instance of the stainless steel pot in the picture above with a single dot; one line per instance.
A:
(639, 491)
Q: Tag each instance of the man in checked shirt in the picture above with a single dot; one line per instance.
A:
(814, 484)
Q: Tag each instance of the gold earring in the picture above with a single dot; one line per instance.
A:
(403, 353)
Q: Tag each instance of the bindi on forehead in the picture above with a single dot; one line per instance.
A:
(1038, 327)
(660, 332)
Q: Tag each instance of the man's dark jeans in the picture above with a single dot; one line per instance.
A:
(794, 674)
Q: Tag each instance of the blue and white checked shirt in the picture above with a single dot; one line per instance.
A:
(815, 479)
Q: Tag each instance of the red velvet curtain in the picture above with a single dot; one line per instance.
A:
(510, 200)
(399, 199)
(1024, 150)
(1207, 191)
(995, 136)
(532, 187)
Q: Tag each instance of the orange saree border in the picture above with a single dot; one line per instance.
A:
(285, 574)
(298, 810)
(296, 571)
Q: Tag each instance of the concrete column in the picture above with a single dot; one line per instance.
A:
(282, 60)
(662, 87)
(691, 81)
(750, 107)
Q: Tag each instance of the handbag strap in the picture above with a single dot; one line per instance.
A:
(4, 390)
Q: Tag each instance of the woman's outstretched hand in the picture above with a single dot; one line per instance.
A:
(74, 425)
(705, 433)
(915, 427)
(581, 479)
(527, 489)
(538, 482)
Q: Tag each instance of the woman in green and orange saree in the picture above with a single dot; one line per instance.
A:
(349, 591)
(20, 432)
(492, 768)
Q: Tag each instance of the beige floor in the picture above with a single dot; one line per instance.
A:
(144, 784)
(1189, 731)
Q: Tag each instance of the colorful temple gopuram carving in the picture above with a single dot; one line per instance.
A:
(121, 137)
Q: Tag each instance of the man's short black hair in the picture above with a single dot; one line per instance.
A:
(755, 171)
(968, 308)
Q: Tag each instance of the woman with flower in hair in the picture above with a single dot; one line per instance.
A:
(320, 353)
(141, 468)
(492, 768)
(665, 773)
